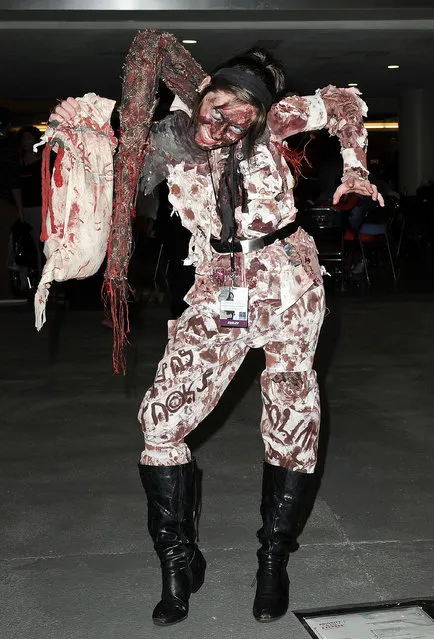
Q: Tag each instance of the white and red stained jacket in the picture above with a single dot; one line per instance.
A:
(77, 199)
(272, 276)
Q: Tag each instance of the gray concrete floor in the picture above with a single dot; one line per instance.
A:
(77, 562)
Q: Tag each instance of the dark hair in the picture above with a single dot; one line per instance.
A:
(262, 64)
(33, 130)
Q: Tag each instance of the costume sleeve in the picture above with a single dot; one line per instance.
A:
(345, 112)
(295, 114)
(179, 70)
(341, 111)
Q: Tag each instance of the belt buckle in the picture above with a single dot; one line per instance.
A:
(255, 244)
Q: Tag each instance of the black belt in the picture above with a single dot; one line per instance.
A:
(256, 243)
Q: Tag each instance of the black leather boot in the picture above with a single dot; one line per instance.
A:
(172, 500)
(283, 493)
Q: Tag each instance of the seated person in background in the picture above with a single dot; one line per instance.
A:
(363, 205)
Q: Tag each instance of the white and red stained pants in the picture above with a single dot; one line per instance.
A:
(200, 360)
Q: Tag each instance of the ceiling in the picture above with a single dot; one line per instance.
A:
(51, 60)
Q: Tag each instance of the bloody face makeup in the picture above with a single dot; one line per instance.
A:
(222, 120)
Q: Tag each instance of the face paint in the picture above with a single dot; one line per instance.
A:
(223, 120)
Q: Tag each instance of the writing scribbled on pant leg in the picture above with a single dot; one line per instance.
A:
(291, 419)
(291, 405)
(201, 359)
(190, 380)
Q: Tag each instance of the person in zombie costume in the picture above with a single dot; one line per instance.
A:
(223, 155)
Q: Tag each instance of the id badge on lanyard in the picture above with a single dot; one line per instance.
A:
(234, 306)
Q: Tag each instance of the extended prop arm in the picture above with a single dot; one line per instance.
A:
(153, 56)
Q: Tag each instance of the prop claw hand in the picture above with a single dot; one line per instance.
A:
(362, 187)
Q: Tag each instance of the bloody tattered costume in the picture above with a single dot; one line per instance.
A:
(286, 299)
(227, 200)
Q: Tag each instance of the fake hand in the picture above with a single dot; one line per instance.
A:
(362, 187)
(65, 111)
